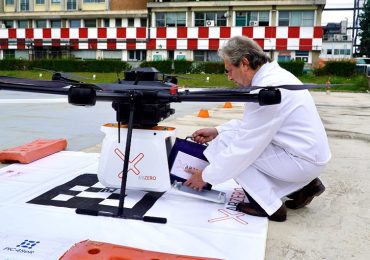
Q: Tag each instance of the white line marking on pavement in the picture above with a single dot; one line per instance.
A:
(33, 101)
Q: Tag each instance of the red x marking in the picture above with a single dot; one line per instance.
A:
(132, 164)
(228, 215)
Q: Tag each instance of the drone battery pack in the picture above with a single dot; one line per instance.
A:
(148, 163)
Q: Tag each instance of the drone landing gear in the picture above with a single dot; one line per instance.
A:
(121, 210)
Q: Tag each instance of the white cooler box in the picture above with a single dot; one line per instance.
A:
(148, 163)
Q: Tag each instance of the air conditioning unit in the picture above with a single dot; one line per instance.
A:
(253, 23)
(210, 23)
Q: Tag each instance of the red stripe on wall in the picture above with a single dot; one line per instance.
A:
(29, 33)
(192, 44)
(21, 44)
(4, 44)
(305, 44)
(247, 31)
(102, 33)
(55, 42)
(46, 33)
(317, 32)
(74, 44)
(261, 42)
(171, 44)
(214, 44)
(83, 33)
(38, 42)
(203, 32)
(150, 45)
(161, 32)
(121, 32)
(270, 32)
(111, 44)
(64, 33)
(182, 32)
(281, 44)
(293, 32)
(141, 32)
(225, 32)
(12, 33)
(92, 44)
(131, 44)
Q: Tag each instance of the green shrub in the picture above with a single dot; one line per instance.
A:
(164, 66)
(294, 66)
(13, 64)
(343, 68)
(214, 67)
(198, 67)
(66, 65)
(182, 66)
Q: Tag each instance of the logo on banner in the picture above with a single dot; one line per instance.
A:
(132, 166)
(24, 247)
(236, 197)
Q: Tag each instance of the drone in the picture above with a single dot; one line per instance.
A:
(139, 108)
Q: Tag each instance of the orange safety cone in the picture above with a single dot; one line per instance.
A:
(203, 113)
(228, 105)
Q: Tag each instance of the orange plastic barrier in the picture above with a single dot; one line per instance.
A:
(32, 151)
(228, 105)
(92, 250)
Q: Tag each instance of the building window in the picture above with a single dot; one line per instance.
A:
(130, 22)
(329, 51)
(106, 22)
(210, 19)
(118, 22)
(22, 24)
(55, 23)
(40, 23)
(8, 24)
(55, 1)
(9, 2)
(302, 55)
(24, 5)
(252, 18)
(170, 19)
(296, 18)
(138, 55)
(75, 23)
(336, 51)
(90, 23)
(9, 54)
(71, 4)
(40, 2)
(206, 56)
(143, 22)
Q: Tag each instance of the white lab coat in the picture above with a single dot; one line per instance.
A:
(274, 150)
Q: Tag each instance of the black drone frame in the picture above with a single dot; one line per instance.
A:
(144, 107)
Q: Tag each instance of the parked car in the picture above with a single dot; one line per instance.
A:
(363, 65)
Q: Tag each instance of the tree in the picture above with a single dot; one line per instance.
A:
(365, 29)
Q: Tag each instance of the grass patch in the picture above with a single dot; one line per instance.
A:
(358, 83)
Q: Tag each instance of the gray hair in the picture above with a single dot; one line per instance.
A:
(239, 47)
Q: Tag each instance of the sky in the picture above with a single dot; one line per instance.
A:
(337, 16)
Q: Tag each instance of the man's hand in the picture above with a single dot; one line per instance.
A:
(195, 181)
(204, 135)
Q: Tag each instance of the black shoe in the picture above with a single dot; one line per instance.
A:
(304, 196)
(253, 210)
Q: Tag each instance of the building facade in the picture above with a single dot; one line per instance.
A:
(154, 30)
(337, 42)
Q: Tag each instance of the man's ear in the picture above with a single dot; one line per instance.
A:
(244, 62)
